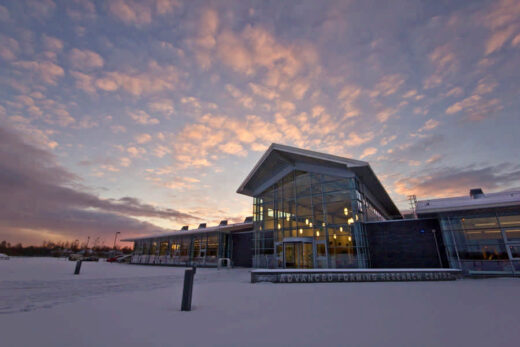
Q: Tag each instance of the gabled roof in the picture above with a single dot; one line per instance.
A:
(461, 203)
(279, 158)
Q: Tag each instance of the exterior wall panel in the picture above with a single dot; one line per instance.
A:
(406, 244)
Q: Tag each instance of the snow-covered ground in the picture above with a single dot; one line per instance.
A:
(43, 304)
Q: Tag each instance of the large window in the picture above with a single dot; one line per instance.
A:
(325, 208)
(484, 241)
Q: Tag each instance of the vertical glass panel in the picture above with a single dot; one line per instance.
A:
(303, 184)
(512, 234)
(515, 251)
(163, 247)
(307, 255)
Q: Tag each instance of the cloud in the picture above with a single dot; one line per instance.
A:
(205, 39)
(354, 139)
(136, 151)
(256, 49)
(85, 60)
(245, 100)
(429, 125)
(164, 106)
(41, 8)
(263, 91)
(9, 48)
(456, 181)
(476, 107)
(156, 78)
(52, 43)
(81, 10)
(368, 152)
(416, 150)
(387, 85)
(84, 82)
(502, 20)
(47, 71)
(117, 129)
(4, 14)
(143, 138)
(160, 151)
(140, 12)
(141, 117)
(39, 195)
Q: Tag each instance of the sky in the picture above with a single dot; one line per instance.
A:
(141, 116)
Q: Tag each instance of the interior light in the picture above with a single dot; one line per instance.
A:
(357, 217)
(334, 236)
(279, 226)
(310, 224)
(301, 231)
(349, 238)
(341, 229)
(307, 221)
(288, 218)
(345, 210)
(323, 224)
(350, 221)
(317, 233)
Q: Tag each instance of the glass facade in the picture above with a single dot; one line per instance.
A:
(312, 220)
(202, 249)
(483, 241)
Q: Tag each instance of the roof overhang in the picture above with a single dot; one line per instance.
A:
(487, 201)
(226, 229)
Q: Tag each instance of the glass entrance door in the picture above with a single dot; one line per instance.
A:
(298, 255)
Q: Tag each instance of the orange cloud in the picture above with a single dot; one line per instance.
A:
(51, 43)
(140, 12)
(143, 138)
(47, 71)
(85, 59)
(141, 117)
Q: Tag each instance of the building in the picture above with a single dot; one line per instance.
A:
(202, 246)
(481, 231)
(315, 210)
(309, 209)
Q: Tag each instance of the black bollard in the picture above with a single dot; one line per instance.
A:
(78, 267)
(188, 290)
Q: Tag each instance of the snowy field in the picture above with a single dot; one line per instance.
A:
(43, 304)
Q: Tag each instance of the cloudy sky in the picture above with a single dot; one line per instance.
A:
(139, 116)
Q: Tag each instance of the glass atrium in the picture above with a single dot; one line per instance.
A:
(312, 220)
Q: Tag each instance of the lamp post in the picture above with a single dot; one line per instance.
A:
(115, 238)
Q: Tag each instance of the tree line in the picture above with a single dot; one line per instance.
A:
(56, 249)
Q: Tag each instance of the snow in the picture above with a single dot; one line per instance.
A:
(43, 304)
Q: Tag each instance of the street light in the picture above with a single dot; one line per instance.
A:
(115, 238)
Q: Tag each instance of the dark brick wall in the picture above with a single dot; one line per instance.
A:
(401, 244)
(242, 249)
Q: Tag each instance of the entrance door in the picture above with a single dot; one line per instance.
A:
(298, 255)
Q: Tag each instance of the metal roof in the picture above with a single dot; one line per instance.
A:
(279, 157)
(500, 199)
(178, 233)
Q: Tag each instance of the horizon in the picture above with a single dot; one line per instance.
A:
(140, 117)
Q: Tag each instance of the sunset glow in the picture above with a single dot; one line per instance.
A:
(139, 117)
